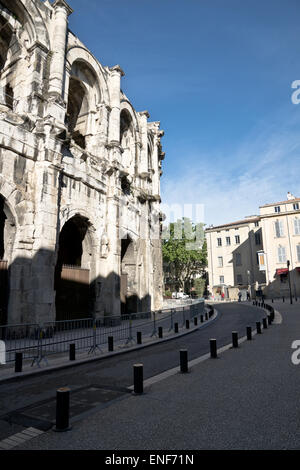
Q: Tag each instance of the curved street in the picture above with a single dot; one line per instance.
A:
(117, 371)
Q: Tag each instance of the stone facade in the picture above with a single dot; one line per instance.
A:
(80, 171)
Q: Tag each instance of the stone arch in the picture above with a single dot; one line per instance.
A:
(24, 15)
(21, 27)
(79, 53)
(83, 96)
(129, 136)
(75, 268)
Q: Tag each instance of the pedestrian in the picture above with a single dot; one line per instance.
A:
(240, 296)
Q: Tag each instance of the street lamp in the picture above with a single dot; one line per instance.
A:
(289, 277)
(249, 285)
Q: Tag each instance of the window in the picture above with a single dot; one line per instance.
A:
(256, 224)
(238, 259)
(281, 254)
(219, 241)
(296, 206)
(220, 261)
(277, 209)
(228, 242)
(297, 226)
(298, 252)
(257, 239)
(279, 228)
(237, 240)
(239, 279)
(222, 280)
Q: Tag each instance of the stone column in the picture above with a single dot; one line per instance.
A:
(61, 12)
(143, 163)
(114, 122)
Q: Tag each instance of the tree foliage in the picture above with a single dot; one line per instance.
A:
(184, 253)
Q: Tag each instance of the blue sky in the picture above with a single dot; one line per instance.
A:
(218, 76)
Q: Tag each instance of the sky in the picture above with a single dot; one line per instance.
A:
(217, 74)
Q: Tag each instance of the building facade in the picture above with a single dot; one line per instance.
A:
(281, 242)
(80, 171)
(260, 254)
(232, 258)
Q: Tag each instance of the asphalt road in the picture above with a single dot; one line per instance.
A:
(117, 371)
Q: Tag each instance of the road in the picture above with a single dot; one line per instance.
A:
(116, 372)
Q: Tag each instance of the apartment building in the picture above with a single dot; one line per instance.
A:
(280, 223)
(233, 263)
(260, 254)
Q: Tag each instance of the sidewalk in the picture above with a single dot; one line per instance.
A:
(246, 399)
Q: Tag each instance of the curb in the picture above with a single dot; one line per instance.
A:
(38, 372)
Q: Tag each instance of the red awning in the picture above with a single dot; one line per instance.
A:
(281, 271)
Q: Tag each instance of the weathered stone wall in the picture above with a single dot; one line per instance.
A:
(72, 147)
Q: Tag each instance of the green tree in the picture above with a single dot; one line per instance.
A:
(184, 253)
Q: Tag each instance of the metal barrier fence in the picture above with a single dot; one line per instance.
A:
(36, 341)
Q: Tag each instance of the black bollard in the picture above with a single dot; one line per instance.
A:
(235, 340)
(184, 368)
(18, 362)
(258, 327)
(201, 318)
(272, 301)
(269, 320)
(249, 333)
(213, 348)
(160, 332)
(62, 409)
(138, 379)
(175, 327)
(72, 352)
(282, 299)
(206, 316)
(195, 321)
(265, 325)
(139, 337)
(110, 340)
(187, 324)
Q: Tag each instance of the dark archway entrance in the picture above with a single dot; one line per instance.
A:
(72, 279)
(7, 237)
(128, 288)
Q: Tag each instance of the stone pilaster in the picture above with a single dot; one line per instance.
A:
(61, 13)
(115, 87)
(143, 164)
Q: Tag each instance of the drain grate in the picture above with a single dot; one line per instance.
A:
(42, 415)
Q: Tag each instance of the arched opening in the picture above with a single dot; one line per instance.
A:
(7, 238)
(5, 40)
(82, 98)
(127, 140)
(129, 282)
(72, 274)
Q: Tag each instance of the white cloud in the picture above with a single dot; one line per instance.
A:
(260, 171)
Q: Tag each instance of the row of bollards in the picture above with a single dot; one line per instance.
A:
(63, 394)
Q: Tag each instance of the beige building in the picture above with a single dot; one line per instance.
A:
(232, 257)
(260, 254)
(280, 223)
